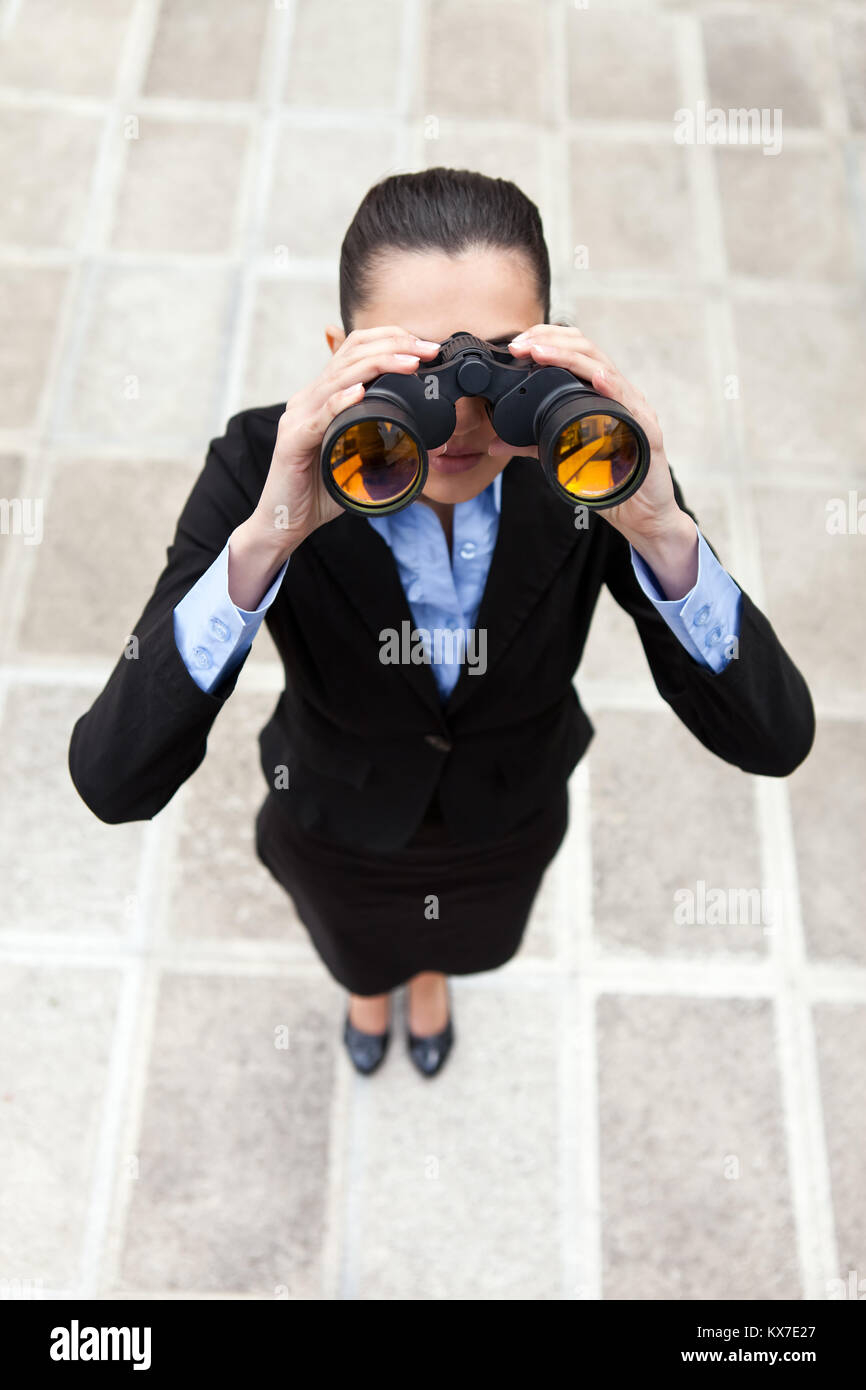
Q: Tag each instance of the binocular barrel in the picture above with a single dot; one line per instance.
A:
(374, 454)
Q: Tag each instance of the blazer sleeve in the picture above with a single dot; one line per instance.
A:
(146, 732)
(757, 712)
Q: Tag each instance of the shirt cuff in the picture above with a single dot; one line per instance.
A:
(706, 620)
(211, 633)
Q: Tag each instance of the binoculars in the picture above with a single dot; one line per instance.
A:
(374, 454)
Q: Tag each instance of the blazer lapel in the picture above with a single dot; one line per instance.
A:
(531, 544)
(362, 564)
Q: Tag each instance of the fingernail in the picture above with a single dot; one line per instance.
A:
(406, 357)
(427, 343)
(520, 339)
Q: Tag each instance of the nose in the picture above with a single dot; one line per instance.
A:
(471, 412)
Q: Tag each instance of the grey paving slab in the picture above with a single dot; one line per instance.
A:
(63, 871)
(840, 1035)
(693, 1162)
(221, 890)
(207, 55)
(55, 1023)
(319, 177)
(828, 832)
(287, 345)
(31, 299)
(348, 59)
(230, 1187)
(612, 80)
(109, 517)
(786, 369)
(631, 206)
(46, 162)
(510, 79)
(72, 50)
(180, 186)
(803, 231)
(451, 1211)
(151, 355)
(811, 604)
(779, 59)
(676, 870)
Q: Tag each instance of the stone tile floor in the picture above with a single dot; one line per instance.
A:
(635, 1108)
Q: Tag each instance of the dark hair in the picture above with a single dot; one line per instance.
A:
(450, 210)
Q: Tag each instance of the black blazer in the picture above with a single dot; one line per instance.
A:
(366, 743)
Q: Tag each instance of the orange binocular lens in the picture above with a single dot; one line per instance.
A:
(595, 456)
(374, 462)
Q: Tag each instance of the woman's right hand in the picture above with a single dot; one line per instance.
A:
(294, 500)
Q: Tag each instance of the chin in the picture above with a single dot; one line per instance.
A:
(460, 487)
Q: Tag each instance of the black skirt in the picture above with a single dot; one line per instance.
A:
(378, 919)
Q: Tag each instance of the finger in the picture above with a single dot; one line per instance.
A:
(554, 335)
(547, 330)
(362, 370)
(313, 423)
(603, 377)
(366, 335)
(499, 449)
(614, 385)
(566, 337)
(385, 340)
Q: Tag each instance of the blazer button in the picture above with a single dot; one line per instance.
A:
(437, 741)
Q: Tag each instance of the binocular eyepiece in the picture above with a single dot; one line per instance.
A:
(374, 454)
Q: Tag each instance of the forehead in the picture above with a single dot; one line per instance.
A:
(487, 291)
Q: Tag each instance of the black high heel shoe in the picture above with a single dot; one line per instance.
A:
(429, 1054)
(365, 1049)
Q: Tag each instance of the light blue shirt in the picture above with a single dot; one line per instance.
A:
(444, 592)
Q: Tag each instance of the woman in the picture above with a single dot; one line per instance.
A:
(413, 806)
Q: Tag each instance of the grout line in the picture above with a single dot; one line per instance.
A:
(256, 188)
(798, 1069)
(579, 1080)
(365, 116)
(153, 901)
(340, 1173)
(116, 1113)
(357, 1118)
(716, 975)
(699, 159)
(9, 12)
(107, 1168)
(577, 1069)
(797, 1075)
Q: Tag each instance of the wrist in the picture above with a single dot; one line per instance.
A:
(671, 552)
(260, 535)
(667, 535)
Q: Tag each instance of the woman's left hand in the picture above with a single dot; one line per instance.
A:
(652, 512)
